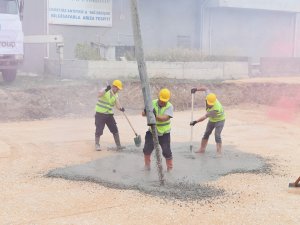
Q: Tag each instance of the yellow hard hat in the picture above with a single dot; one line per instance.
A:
(211, 99)
(164, 95)
(118, 84)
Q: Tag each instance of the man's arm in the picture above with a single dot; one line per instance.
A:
(199, 120)
(212, 114)
(205, 89)
(194, 90)
(202, 118)
(101, 92)
(167, 115)
(162, 118)
(117, 104)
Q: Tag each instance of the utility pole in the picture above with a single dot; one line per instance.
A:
(139, 52)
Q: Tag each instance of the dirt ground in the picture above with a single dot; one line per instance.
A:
(56, 134)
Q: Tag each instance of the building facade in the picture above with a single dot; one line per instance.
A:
(251, 28)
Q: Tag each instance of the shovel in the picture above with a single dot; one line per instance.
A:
(137, 139)
(296, 184)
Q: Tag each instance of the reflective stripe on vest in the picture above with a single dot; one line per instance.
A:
(106, 103)
(219, 110)
(165, 126)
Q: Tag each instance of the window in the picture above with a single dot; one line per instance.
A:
(9, 6)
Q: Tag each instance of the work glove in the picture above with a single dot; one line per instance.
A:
(122, 109)
(193, 123)
(154, 112)
(193, 90)
(107, 88)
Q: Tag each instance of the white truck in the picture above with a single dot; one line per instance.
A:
(11, 38)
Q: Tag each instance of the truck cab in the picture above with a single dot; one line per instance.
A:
(11, 38)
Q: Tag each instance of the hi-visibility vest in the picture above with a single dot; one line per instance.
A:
(165, 126)
(106, 103)
(218, 108)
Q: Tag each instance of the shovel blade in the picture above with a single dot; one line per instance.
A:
(294, 185)
(137, 141)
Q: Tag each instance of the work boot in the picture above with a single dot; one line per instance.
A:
(203, 146)
(147, 159)
(97, 147)
(97, 143)
(169, 163)
(219, 148)
(117, 141)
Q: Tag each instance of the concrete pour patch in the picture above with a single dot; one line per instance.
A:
(187, 181)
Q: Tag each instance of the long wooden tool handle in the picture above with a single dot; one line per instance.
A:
(123, 112)
(191, 139)
(129, 123)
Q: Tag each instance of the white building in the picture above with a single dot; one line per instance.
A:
(251, 28)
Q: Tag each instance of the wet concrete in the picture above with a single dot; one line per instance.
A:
(188, 180)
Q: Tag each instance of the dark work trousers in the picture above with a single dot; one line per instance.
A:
(218, 126)
(102, 119)
(164, 142)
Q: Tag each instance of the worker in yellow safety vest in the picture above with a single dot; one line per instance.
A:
(163, 112)
(107, 99)
(216, 115)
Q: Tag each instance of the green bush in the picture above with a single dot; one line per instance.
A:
(188, 55)
(86, 52)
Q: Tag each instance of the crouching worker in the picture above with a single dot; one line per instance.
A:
(163, 112)
(216, 115)
(107, 99)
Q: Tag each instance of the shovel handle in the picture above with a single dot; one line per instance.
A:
(124, 113)
(191, 138)
(130, 124)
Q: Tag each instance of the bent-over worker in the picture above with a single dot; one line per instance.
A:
(216, 115)
(107, 99)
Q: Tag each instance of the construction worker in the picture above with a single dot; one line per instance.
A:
(107, 99)
(216, 115)
(163, 112)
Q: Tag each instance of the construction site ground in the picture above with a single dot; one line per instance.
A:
(47, 125)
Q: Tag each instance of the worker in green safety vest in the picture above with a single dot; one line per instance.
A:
(163, 112)
(216, 115)
(107, 99)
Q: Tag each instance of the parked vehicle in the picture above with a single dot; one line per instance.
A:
(11, 38)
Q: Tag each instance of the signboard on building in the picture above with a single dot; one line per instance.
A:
(80, 12)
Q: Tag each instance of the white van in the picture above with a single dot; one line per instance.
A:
(11, 38)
